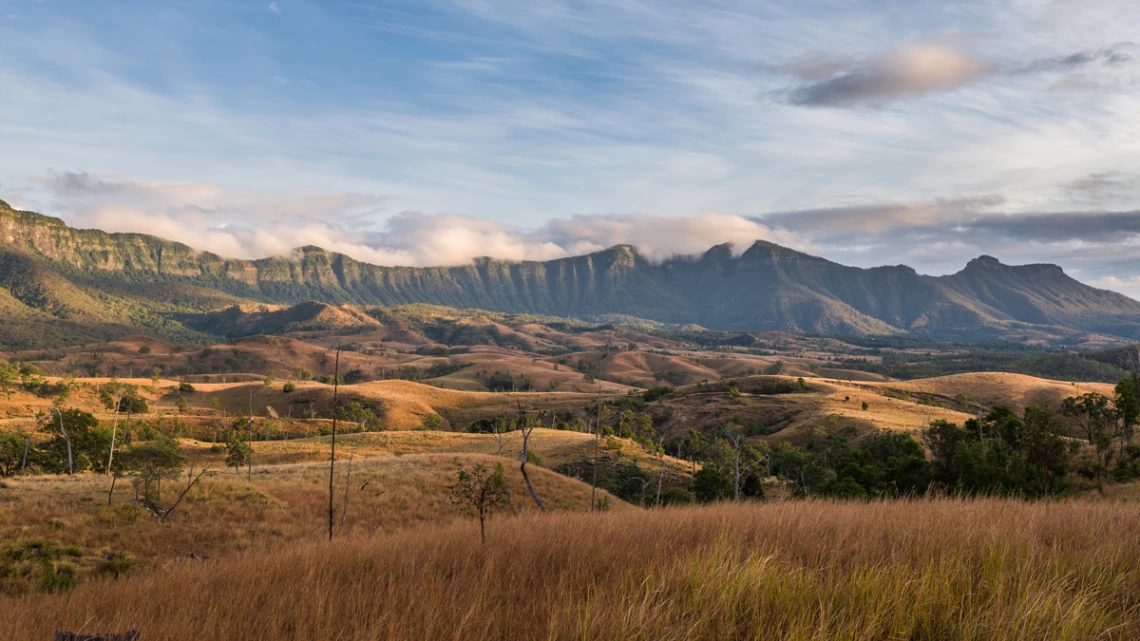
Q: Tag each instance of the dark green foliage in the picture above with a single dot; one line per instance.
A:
(289, 387)
(238, 451)
(656, 392)
(710, 484)
(90, 443)
(186, 387)
(11, 453)
(1003, 454)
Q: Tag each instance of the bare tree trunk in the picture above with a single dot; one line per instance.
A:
(736, 497)
(597, 439)
(114, 429)
(189, 485)
(522, 458)
(27, 444)
(111, 493)
(332, 451)
(67, 439)
(347, 484)
(249, 438)
(660, 479)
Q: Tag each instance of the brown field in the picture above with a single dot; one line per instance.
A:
(940, 570)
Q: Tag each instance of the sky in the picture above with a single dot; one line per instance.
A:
(430, 132)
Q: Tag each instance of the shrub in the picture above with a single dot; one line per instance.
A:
(289, 387)
(185, 387)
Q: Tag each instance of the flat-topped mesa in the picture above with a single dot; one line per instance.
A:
(986, 262)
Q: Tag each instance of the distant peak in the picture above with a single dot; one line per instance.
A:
(984, 261)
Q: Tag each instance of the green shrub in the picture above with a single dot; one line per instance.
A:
(289, 387)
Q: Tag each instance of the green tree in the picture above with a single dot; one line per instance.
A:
(710, 485)
(1127, 400)
(238, 451)
(151, 463)
(481, 490)
(11, 453)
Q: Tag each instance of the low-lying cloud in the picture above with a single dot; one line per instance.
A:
(256, 225)
(921, 68)
(938, 236)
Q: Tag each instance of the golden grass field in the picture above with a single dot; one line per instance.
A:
(938, 570)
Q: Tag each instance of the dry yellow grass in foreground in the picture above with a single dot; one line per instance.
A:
(937, 570)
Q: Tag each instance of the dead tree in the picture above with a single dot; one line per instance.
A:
(737, 440)
(332, 451)
(114, 429)
(527, 426)
(347, 485)
(67, 439)
(249, 439)
(189, 485)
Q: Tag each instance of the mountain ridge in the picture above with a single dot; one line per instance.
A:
(126, 278)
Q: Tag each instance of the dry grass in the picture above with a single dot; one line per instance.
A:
(225, 513)
(939, 570)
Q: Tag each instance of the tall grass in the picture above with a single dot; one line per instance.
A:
(937, 570)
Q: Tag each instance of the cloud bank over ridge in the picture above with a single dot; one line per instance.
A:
(940, 236)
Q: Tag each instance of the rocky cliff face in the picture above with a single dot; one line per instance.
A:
(82, 273)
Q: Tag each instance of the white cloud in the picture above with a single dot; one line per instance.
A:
(274, 8)
(256, 225)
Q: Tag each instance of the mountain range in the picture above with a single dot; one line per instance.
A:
(61, 285)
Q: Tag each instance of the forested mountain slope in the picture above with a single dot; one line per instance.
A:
(62, 280)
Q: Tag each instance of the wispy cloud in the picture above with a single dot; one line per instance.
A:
(274, 8)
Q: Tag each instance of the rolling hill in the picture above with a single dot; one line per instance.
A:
(62, 285)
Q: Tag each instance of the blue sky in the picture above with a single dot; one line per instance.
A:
(430, 132)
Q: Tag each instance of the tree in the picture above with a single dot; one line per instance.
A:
(1044, 444)
(302, 374)
(111, 395)
(1092, 414)
(1096, 419)
(710, 484)
(481, 490)
(151, 463)
(9, 375)
(270, 376)
(527, 425)
(182, 404)
(238, 451)
(1127, 400)
(11, 453)
(602, 416)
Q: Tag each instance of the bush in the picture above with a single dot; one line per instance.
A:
(186, 387)
(289, 387)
